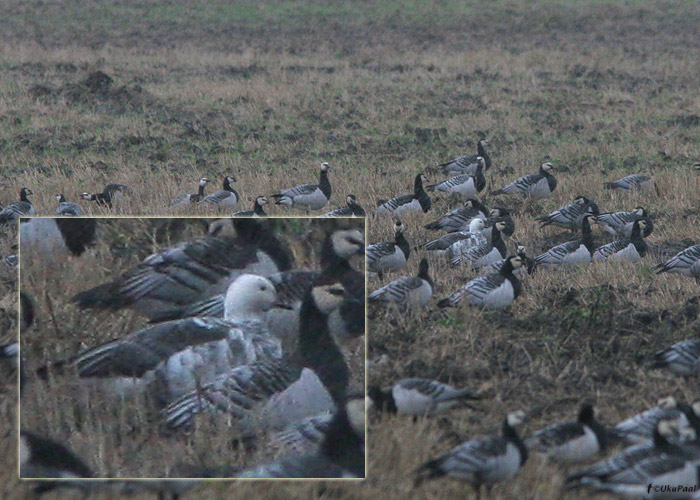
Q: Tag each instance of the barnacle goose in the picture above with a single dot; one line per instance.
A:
(187, 198)
(17, 209)
(682, 358)
(629, 249)
(353, 209)
(485, 254)
(419, 397)
(10, 352)
(465, 185)
(274, 391)
(536, 186)
(527, 268)
(640, 427)
(389, 256)
(573, 441)
(685, 262)
(460, 217)
(407, 292)
(634, 182)
(226, 198)
(500, 214)
(257, 210)
(468, 164)
(111, 194)
(54, 238)
(193, 270)
(307, 196)
(66, 207)
(484, 461)
(620, 223)
(570, 216)
(180, 355)
(490, 291)
(572, 252)
(459, 241)
(416, 203)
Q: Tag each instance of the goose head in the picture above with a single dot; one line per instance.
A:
(248, 297)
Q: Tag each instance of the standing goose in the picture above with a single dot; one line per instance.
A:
(461, 241)
(572, 252)
(634, 182)
(682, 358)
(486, 253)
(226, 198)
(184, 199)
(407, 292)
(468, 164)
(459, 218)
(353, 209)
(629, 250)
(536, 186)
(419, 397)
(490, 291)
(67, 208)
(111, 194)
(17, 209)
(257, 211)
(571, 442)
(389, 256)
(620, 223)
(416, 203)
(484, 461)
(466, 185)
(307, 196)
(685, 262)
(570, 216)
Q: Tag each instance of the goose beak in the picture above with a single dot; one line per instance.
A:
(281, 305)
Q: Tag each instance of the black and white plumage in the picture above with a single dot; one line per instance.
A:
(416, 203)
(499, 214)
(640, 428)
(634, 182)
(571, 442)
(458, 219)
(407, 292)
(466, 185)
(685, 262)
(620, 223)
(682, 358)
(490, 291)
(419, 397)
(10, 352)
(575, 252)
(484, 461)
(67, 208)
(629, 249)
(485, 254)
(50, 239)
(353, 209)
(111, 194)
(536, 186)
(527, 268)
(468, 164)
(185, 199)
(460, 241)
(257, 210)
(17, 209)
(226, 198)
(307, 196)
(390, 256)
(570, 216)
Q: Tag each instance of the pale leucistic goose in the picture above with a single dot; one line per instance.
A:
(257, 210)
(628, 250)
(460, 241)
(570, 216)
(67, 208)
(458, 219)
(486, 253)
(419, 397)
(353, 209)
(185, 199)
(481, 462)
(634, 182)
(111, 194)
(536, 186)
(389, 256)
(307, 196)
(226, 198)
(575, 252)
(194, 270)
(465, 185)
(468, 164)
(620, 223)
(682, 358)
(17, 209)
(416, 203)
(685, 262)
(407, 292)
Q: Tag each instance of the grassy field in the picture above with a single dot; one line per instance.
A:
(268, 90)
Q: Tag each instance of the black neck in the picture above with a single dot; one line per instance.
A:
(480, 180)
(61, 199)
(423, 273)
(258, 209)
(200, 191)
(343, 446)
(637, 240)
(324, 184)
(420, 194)
(587, 235)
(227, 185)
(510, 434)
(403, 245)
(507, 272)
(382, 400)
(23, 196)
(497, 242)
(333, 264)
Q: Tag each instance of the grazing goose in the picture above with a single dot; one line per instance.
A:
(466, 185)
(112, 193)
(307, 196)
(572, 252)
(640, 427)
(52, 239)
(17, 209)
(536, 186)
(490, 291)
(527, 268)
(468, 164)
(620, 223)
(67, 208)
(389, 256)
(185, 199)
(416, 203)
(459, 218)
(500, 214)
(178, 356)
(486, 253)
(629, 250)
(685, 262)
(407, 292)
(257, 211)
(570, 216)
(193, 270)
(352, 210)
(571, 442)
(682, 358)
(634, 182)
(460, 241)
(419, 397)
(484, 461)
(226, 198)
